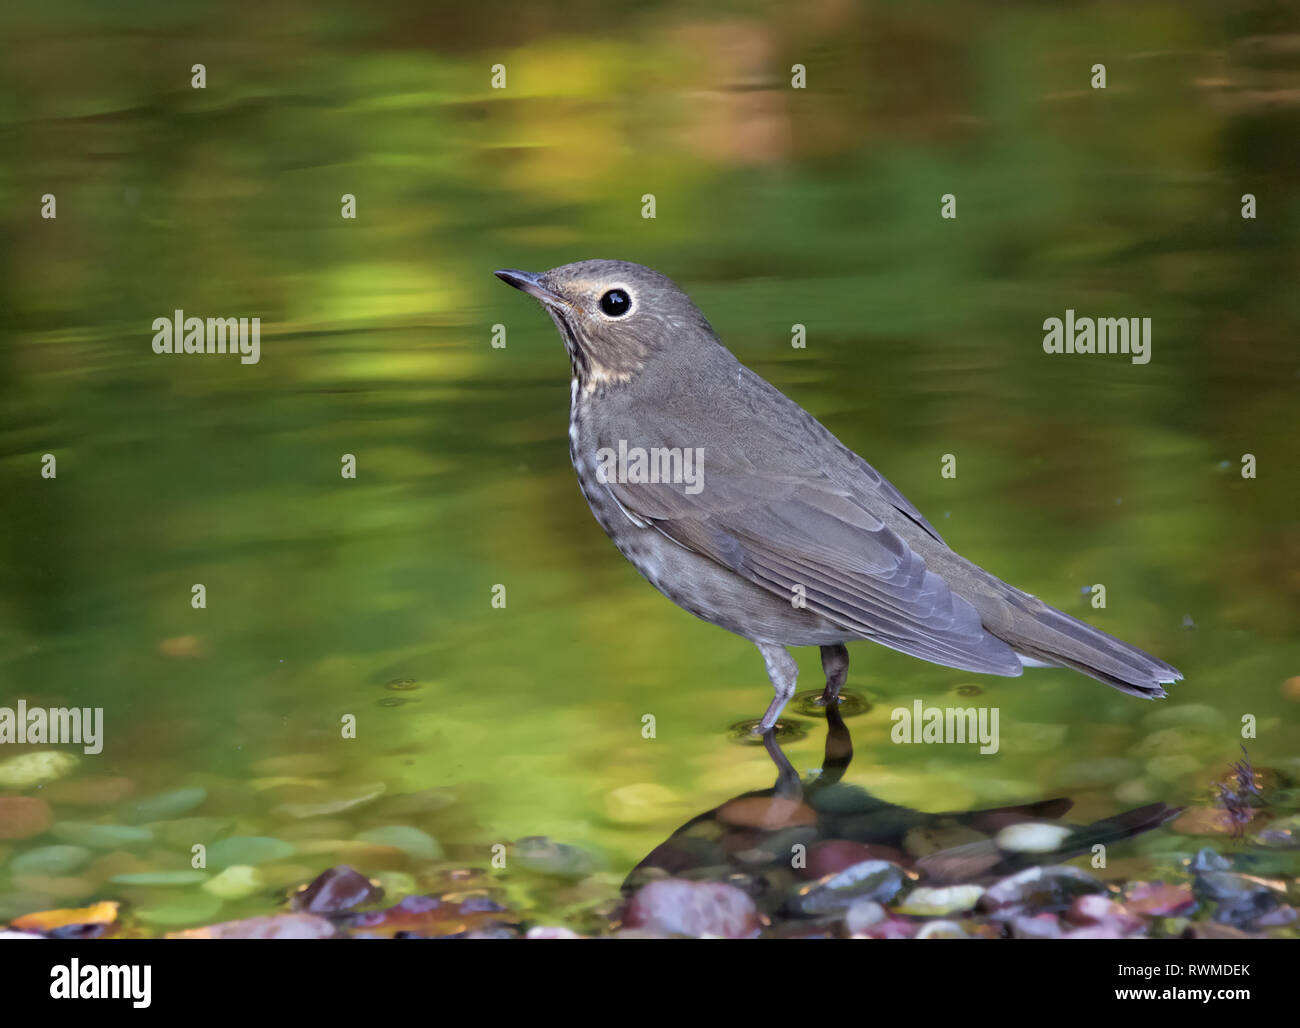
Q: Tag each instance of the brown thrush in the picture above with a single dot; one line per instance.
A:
(738, 505)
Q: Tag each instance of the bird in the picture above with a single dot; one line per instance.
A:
(743, 509)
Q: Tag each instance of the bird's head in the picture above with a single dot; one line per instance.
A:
(614, 316)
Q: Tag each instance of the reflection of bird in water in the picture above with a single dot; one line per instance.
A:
(750, 839)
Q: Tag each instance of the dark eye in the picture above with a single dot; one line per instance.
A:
(615, 303)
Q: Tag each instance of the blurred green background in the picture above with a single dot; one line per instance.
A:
(775, 206)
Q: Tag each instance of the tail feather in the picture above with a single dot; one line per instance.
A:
(1043, 634)
(1054, 637)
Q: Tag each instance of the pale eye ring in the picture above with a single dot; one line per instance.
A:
(615, 303)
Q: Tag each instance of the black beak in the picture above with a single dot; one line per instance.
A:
(531, 283)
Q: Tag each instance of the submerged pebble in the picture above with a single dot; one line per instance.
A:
(50, 860)
(101, 837)
(161, 878)
(247, 849)
(50, 921)
(338, 889)
(235, 882)
(166, 805)
(22, 817)
(90, 792)
(555, 858)
(30, 769)
(551, 932)
(1032, 837)
(862, 915)
(697, 909)
(419, 845)
(182, 908)
(1239, 898)
(941, 930)
(118, 862)
(274, 926)
(931, 902)
(1100, 911)
(876, 880)
(1038, 889)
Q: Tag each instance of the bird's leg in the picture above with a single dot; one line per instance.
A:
(835, 662)
(783, 671)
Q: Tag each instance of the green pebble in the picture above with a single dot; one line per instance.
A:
(165, 806)
(236, 882)
(417, 844)
(247, 849)
(49, 860)
(28, 769)
(161, 878)
(183, 909)
(101, 837)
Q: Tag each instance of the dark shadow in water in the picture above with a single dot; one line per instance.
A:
(750, 840)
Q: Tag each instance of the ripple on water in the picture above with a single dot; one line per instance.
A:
(785, 730)
(851, 703)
